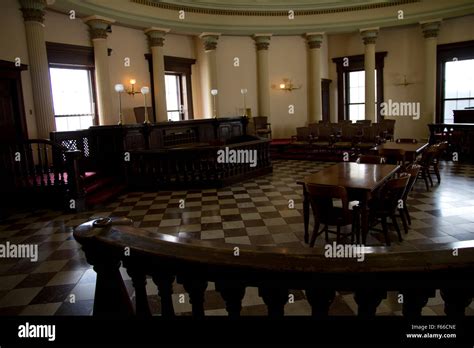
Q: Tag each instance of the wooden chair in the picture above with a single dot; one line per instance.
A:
(440, 150)
(321, 199)
(303, 137)
(370, 159)
(425, 162)
(386, 205)
(369, 138)
(393, 156)
(406, 141)
(347, 138)
(387, 129)
(404, 214)
(262, 127)
(140, 113)
(323, 137)
(364, 122)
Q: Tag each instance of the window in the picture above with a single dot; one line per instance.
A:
(454, 79)
(179, 94)
(351, 86)
(174, 99)
(458, 87)
(355, 95)
(72, 98)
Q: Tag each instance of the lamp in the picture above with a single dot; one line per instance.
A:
(287, 85)
(119, 89)
(131, 90)
(214, 92)
(145, 90)
(243, 91)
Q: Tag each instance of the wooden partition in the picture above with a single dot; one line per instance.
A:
(274, 270)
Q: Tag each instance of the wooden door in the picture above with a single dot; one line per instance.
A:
(12, 112)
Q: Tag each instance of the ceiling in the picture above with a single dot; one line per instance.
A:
(245, 17)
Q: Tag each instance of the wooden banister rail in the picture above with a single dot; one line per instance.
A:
(274, 270)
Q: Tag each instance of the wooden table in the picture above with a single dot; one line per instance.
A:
(360, 180)
(411, 150)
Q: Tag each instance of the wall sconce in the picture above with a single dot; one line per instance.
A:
(131, 90)
(214, 92)
(145, 90)
(119, 89)
(287, 85)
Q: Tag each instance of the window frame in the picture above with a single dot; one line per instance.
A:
(446, 52)
(356, 63)
(179, 65)
(68, 56)
(179, 79)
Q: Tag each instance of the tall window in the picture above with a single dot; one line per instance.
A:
(174, 97)
(355, 95)
(72, 98)
(458, 87)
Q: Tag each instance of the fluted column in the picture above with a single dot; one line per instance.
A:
(33, 15)
(262, 42)
(314, 77)
(156, 38)
(430, 32)
(369, 36)
(98, 26)
(210, 45)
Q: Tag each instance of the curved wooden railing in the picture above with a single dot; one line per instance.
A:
(108, 243)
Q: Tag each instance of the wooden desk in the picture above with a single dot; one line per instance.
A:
(360, 180)
(411, 150)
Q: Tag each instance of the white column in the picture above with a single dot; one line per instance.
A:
(315, 113)
(98, 32)
(156, 38)
(33, 15)
(262, 42)
(209, 41)
(369, 36)
(430, 32)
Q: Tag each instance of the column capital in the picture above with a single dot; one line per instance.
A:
(156, 36)
(210, 40)
(369, 35)
(314, 40)
(98, 26)
(262, 41)
(33, 10)
(430, 28)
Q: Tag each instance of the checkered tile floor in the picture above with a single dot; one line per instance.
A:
(253, 212)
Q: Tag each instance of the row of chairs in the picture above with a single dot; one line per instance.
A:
(344, 135)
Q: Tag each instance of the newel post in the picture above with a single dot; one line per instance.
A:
(76, 193)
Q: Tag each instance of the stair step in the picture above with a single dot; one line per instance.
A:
(105, 194)
(97, 184)
(89, 176)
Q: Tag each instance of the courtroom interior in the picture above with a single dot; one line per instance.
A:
(241, 158)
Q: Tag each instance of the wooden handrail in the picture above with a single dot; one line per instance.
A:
(446, 267)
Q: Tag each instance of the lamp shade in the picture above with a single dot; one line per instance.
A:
(214, 92)
(243, 91)
(119, 88)
(145, 90)
(133, 81)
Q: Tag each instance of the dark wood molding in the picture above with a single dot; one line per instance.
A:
(326, 99)
(447, 52)
(178, 65)
(356, 63)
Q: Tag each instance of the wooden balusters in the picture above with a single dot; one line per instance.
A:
(320, 300)
(138, 276)
(275, 298)
(164, 283)
(368, 300)
(456, 300)
(414, 300)
(195, 287)
(232, 293)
